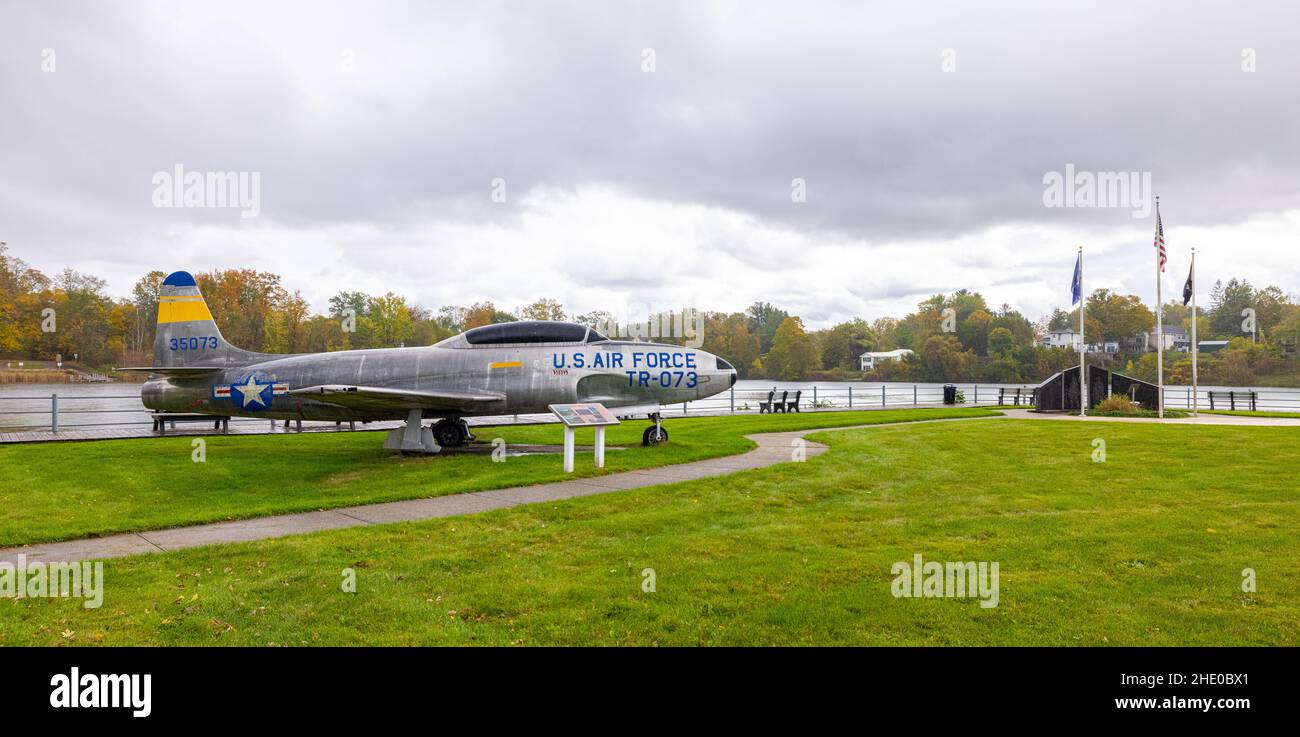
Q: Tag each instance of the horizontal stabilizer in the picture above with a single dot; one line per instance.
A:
(379, 398)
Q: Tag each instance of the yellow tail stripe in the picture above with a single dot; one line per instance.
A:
(182, 312)
(507, 364)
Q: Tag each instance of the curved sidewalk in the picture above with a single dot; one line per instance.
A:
(772, 448)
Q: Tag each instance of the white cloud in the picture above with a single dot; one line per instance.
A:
(601, 248)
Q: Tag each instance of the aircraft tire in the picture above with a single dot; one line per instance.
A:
(450, 433)
(649, 438)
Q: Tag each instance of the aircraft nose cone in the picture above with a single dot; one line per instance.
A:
(733, 378)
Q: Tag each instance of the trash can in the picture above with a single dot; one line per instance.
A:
(949, 394)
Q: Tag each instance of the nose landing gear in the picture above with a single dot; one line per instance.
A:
(654, 434)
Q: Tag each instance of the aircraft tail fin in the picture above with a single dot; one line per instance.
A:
(187, 336)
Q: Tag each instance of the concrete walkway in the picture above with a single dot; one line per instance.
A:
(773, 448)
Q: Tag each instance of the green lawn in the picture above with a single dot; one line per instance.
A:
(58, 491)
(1146, 548)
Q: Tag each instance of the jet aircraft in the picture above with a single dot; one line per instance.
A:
(501, 369)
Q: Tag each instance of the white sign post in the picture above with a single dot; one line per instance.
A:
(584, 415)
(568, 449)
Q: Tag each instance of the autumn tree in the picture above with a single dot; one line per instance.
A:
(484, 313)
(942, 359)
(242, 302)
(729, 336)
(1118, 316)
(793, 352)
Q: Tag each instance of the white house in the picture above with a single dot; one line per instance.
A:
(867, 361)
(1175, 338)
(1062, 338)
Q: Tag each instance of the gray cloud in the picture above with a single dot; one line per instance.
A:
(393, 119)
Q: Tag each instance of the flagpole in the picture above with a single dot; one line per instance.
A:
(1160, 332)
(1083, 369)
(1196, 405)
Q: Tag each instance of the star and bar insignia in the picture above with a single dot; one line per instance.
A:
(254, 392)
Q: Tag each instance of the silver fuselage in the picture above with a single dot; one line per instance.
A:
(529, 377)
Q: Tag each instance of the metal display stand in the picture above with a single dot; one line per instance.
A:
(573, 416)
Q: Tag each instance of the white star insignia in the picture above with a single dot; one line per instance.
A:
(252, 391)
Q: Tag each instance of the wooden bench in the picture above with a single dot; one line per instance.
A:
(773, 404)
(793, 404)
(1003, 393)
(160, 420)
(1233, 398)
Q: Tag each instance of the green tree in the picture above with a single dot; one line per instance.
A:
(1001, 343)
(973, 331)
(1227, 302)
(793, 352)
(764, 319)
(542, 309)
(349, 303)
(843, 344)
(389, 319)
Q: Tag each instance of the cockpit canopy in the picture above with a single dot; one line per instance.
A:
(530, 331)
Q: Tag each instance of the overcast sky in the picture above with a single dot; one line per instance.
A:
(648, 150)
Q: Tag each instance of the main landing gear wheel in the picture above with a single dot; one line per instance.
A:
(451, 433)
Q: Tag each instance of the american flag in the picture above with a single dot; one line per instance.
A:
(1160, 242)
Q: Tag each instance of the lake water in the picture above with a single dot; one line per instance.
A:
(28, 406)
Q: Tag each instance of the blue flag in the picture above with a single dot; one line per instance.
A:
(1076, 287)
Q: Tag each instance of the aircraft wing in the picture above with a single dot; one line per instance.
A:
(380, 398)
(181, 372)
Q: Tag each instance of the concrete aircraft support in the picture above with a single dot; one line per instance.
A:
(414, 437)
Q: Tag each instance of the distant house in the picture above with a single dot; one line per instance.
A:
(1211, 346)
(1175, 339)
(867, 361)
(1062, 338)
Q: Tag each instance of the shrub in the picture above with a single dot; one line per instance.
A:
(1118, 405)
